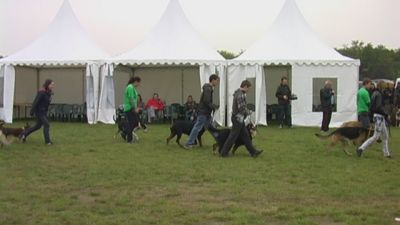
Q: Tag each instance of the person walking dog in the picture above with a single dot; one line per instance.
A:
(239, 114)
(40, 108)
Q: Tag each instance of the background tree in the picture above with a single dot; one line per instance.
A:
(376, 62)
(230, 55)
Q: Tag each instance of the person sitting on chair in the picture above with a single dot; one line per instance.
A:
(190, 108)
(155, 108)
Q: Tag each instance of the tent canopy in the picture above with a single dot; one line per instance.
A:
(64, 43)
(289, 39)
(172, 41)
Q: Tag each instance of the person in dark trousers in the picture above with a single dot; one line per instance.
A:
(364, 102)
(326, 94)
(40, 108)
(380, 120)
(205, 108)
(396, 97)
(283, 93)
(239, 114)
(131, 109)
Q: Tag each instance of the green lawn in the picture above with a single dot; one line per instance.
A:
(88, 177)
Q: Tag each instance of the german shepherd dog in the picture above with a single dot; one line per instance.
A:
(180, 127)
(9, 134)
(221, 135)
(353, 131)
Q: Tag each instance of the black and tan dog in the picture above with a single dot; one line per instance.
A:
(353, 131)
(180, 127)
(9, 134)
(221, 135)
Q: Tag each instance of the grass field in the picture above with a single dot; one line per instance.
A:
(88, 177)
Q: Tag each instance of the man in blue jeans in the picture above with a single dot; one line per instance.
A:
(205, 108)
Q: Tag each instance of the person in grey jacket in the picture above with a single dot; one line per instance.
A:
(380, 120)
(205, 108)
(239, 114)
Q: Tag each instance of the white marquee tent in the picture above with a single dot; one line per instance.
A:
(173, 60)
(61, 53)
(291, 48)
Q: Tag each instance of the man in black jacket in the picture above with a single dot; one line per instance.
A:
(325, 95)
(380, 120)
(205, 108)
(283, 93)
(239, 114)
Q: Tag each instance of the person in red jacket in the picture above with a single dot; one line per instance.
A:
(155, 108)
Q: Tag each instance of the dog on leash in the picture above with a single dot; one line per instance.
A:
(353, 131)
(221, 135)
(180, 127)
(9, 134)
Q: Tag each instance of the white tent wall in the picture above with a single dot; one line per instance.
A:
(26, 85)
(106, 109)
(69, 84)
(302, 85)
(7, 74)
(240, 72)
(92, 90)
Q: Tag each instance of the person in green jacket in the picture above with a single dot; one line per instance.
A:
(131, 108)
(364, 102)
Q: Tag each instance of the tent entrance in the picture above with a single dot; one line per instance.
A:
(273, 75)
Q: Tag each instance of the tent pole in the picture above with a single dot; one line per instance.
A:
(83, 86)
(37, 78)
(182, 81)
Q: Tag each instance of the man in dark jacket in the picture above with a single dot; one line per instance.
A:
(205, 108)
(239, 114)
(380, 120)
(283, 93)
(325, 95)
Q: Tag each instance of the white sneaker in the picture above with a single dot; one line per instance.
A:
(135, 137)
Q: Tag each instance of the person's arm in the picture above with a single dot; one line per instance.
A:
(207, 98)
(134, 99)
(36, 102)
(278, 93)
(365, 97)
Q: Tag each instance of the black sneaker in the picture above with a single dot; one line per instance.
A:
(256, 153)
(359, 152)
(389, 157)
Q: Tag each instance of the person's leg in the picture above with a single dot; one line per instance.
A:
(30, 130)
(150, 114)
(233, 135)
(324, 119)
(364, 119)
(46, 128)
(288, 115)
(371, 140)
(245, 136)
(329, 117)
(130, 126)
(385, 140)
(281, 114)
(200, 122)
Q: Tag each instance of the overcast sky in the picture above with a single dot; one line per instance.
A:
(117, 25)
